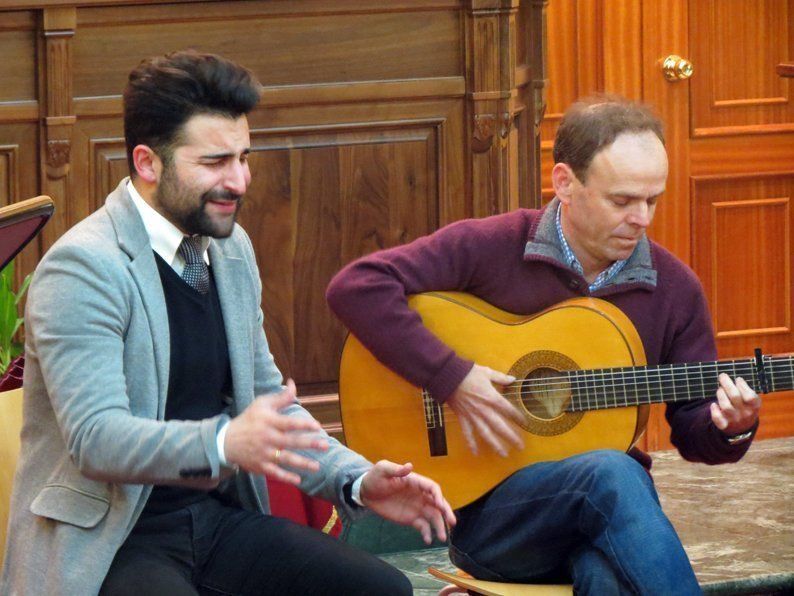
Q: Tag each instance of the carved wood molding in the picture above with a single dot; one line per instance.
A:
(505, 82)
(58, 27)
(491, 61)
(484, 127)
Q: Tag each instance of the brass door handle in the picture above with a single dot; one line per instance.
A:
(676, 68)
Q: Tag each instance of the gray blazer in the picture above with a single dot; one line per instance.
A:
(96, 379)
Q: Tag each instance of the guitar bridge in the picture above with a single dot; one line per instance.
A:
(434, 420)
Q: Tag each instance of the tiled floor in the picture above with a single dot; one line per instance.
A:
(736, 522)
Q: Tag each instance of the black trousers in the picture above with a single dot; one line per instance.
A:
(212, 549)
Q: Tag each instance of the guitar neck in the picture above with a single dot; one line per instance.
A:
(597, 389)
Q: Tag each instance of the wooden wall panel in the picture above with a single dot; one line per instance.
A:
(739, 44)
(18, 38)
(741, 300)
(745, 256)
(745, 261)
(283, 49)
(319, 199)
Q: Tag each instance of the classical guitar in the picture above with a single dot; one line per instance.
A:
(581, 382)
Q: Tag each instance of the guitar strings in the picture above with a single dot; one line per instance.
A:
(591, 380)
(774, 365)
(595, 378)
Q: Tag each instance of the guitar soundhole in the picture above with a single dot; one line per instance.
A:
(543, 392)
(543, 395)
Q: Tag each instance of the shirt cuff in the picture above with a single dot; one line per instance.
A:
(219, 438)
(355, 491)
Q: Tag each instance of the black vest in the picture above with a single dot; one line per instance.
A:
(199, 373)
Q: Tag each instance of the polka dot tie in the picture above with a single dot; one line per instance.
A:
(195, 272)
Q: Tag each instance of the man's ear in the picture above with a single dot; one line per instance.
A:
(562, 179)
(147, 163)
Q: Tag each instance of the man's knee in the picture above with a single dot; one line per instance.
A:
(611, 467)
(134, 574)
(614, 479)
(389, 581)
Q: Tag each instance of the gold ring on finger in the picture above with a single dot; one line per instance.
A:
(277, 455)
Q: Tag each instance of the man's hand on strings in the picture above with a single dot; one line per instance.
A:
(737, 406)
(484, 413)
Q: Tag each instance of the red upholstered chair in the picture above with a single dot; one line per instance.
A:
(287, 501)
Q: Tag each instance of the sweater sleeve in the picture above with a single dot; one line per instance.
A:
(370, 298)
(692, 431)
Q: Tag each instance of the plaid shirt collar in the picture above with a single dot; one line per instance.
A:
(574, 263)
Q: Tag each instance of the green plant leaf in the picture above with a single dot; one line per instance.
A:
(10, 321)
(23, 288)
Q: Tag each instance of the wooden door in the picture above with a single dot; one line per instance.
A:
(727, 211)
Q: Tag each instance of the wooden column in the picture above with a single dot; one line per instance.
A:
(536, 42)
(504, 90)
(490, 80)
(58, 118)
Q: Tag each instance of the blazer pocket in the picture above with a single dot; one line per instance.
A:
(65, 504)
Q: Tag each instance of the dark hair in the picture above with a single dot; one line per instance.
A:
(595, 122)
(164, 92)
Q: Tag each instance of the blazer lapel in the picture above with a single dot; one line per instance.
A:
(230, 275)
(134, 240)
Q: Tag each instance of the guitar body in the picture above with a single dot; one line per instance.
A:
(386, 417)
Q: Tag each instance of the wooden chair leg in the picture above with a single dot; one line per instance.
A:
(486, 588)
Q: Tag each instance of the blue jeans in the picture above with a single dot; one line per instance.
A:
(592, 519)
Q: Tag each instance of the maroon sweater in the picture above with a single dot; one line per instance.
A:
(514, 261)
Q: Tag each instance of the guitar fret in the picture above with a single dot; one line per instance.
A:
(620, 387)
(657, 395)
(721, 367)
(648, 388)
(570, 376)
(673, 378)
(636, 379)
(687, 376)
(667, 381)
(753, 374)
(611, 397)
(603, 386)
(629, 395)
(746, 370)
(770, 374)
(782, 367)
(580, 391)
(590, 387)
(576, 393)
(701, 389)
(585, 380)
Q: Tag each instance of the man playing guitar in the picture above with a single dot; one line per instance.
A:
(592, 519)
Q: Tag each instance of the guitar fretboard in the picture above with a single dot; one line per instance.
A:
(596, 389)
(602, 388)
